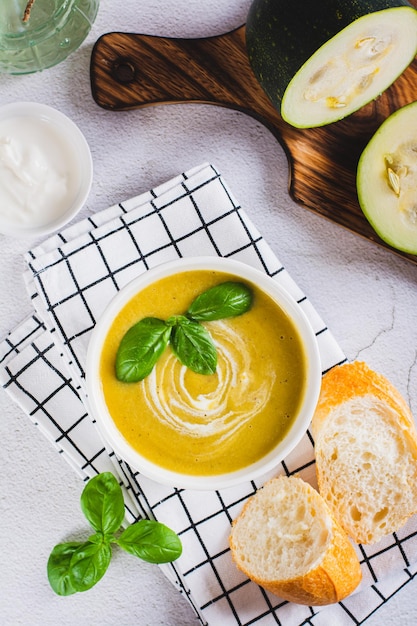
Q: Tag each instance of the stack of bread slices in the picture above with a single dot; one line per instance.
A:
(298, 542)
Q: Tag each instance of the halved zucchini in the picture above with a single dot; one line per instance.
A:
(387, 180)
(319, 62)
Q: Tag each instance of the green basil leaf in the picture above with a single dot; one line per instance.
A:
(193, 346)
(58, 568)
(102, 503)
(151, 541)
(99, 538)
(174, 320)
(225, 300)
(89, 564)
(140, 349)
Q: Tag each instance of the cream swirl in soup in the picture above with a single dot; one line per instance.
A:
(225, 403)
(207, 424)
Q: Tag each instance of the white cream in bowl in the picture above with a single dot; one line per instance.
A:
(45, 169)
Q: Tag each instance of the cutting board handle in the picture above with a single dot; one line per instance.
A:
(131, 71)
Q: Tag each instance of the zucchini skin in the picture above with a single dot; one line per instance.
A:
(281, 35)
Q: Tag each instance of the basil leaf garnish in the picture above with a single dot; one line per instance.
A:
(102, 503)
(193, 346)
(58, 568)
(144, 343)
(225, 300)
(151, 541)
(88, 564)
(140, 349)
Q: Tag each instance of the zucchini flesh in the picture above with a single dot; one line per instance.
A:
(305, 54)
(352, 68)
(387, 180)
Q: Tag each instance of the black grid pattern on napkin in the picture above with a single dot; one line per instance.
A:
(27, 331)
(108, 257)
(72, 279)
(35, 373)
(205, 515)
(215, 514)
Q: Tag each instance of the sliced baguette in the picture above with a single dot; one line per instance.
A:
(286, 540)
(366, 452)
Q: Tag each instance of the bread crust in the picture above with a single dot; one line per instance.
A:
(344, 382)
(350, 382)
(333, 578)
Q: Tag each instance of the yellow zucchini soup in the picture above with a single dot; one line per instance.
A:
(208, 424)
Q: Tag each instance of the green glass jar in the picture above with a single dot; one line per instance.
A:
(55, 28)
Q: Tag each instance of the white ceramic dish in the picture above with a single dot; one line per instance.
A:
(46, 169)
(113, 436)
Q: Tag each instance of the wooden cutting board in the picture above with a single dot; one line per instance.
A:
(130, 71)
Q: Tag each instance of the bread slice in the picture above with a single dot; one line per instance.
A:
(286, 540)
(366, 452)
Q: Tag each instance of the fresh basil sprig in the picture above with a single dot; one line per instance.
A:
(191, 342)
(78, 566)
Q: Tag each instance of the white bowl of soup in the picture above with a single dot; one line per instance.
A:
(194, 429)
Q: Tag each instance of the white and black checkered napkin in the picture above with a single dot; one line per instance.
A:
(71, 278)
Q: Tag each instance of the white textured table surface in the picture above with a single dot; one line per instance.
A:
(366, 295)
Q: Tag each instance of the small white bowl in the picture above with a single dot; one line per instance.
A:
(46, 169)
(124, 450)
